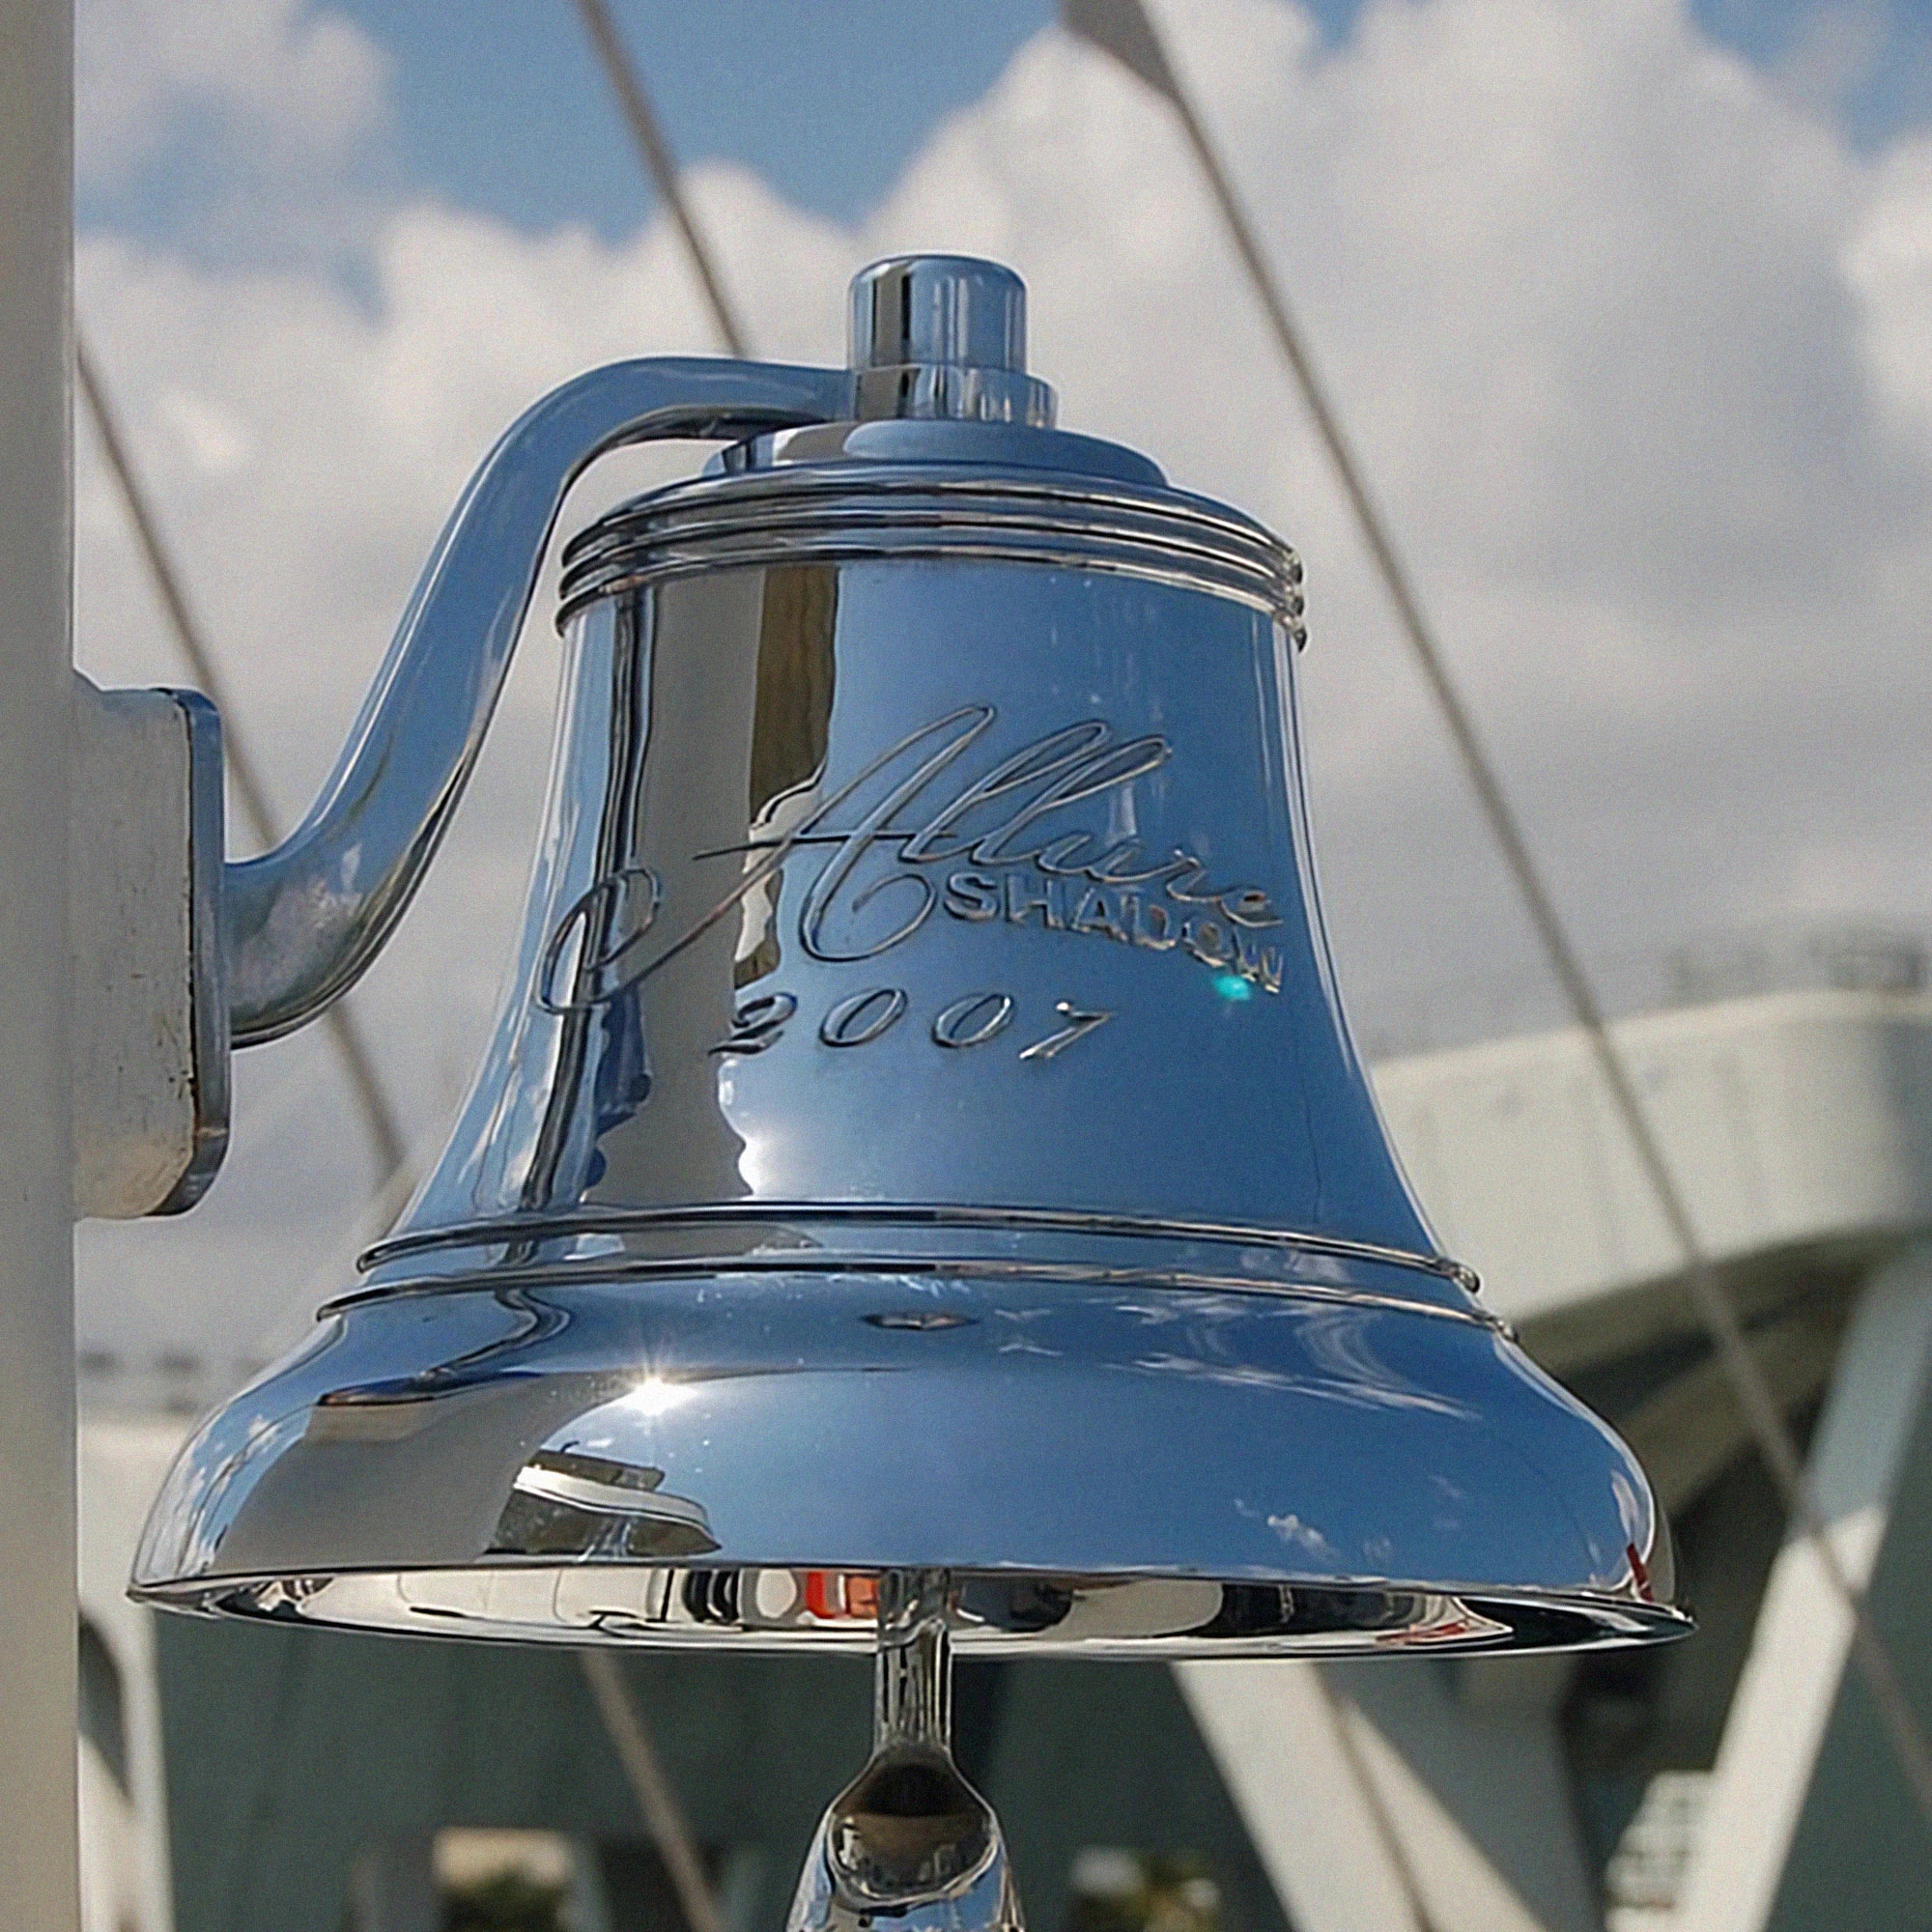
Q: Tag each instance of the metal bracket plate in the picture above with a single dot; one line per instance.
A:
(151, 1089)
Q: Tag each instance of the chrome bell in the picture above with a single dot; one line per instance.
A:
(921, 1139)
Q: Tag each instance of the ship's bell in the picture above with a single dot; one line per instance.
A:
(921, 1135)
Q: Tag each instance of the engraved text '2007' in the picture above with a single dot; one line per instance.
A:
(906, 836)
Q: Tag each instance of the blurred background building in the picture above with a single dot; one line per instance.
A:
(1628, 308)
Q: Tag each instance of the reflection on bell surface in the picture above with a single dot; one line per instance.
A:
(920, 1134)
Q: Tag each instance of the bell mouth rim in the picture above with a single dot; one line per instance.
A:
(1200, 1443)
(1121, 1616)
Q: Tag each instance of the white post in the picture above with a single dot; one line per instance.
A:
(38, 1862)
(1277, 1737)
(1380, 1801)
(1869, 1471)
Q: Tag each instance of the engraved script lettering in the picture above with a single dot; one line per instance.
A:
(587, 962)
(863, 1018)
(1078, 1026)
(759, 1024)
(903, 838)
(973, 1021)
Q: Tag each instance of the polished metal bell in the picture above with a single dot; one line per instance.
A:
(921, 1134)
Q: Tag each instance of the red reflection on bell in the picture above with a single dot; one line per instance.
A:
(841, 1596)
(1640, 1572)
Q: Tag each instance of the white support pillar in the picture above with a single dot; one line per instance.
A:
(1276, 1735)
(1871, 1472)
(38, 1862)
(122, 1468)
(1380, 1800)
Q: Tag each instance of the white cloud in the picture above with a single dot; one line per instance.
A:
(306, 83)
(1888, 264)
(1635, 351)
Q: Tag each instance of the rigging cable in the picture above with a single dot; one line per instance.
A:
(617, 1705)
(656, 1798)
(1123, 29)
(655, 1794)
(661, 164)
(623, 1722)
(372, 1100)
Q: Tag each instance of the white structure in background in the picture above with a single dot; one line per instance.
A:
(1438, 1799)
(123, 1791)
(1800, 1127)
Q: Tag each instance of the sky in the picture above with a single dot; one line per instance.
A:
(499, 105)
(1627, 308)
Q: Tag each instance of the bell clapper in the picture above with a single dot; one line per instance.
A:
(909, 1841)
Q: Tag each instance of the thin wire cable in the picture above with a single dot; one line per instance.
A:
(656, 1801)
(623, 1722)
(662, 165)
(657, 1798)
(1342, 1713)
(371, 1100)
(1870, 1653)
(323, 1281)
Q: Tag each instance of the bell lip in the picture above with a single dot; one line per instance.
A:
(1520, 1622)
(1137, 1433)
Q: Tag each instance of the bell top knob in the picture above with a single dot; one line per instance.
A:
(938, 308)
(942, 335)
